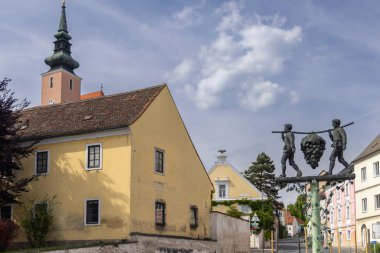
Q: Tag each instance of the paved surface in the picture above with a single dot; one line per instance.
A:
(291, 246)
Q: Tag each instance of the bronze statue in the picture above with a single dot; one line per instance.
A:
(339, 138)
(289, 150)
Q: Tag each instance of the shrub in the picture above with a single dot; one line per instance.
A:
(38, 220)
(8, 232)
(234, 212)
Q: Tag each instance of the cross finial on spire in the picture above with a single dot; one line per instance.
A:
(63, 2)
(101, 87)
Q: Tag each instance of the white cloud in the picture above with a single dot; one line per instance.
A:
(260, 94)
(182, 71)
(188, 16)
(294, 97)
(245, 49)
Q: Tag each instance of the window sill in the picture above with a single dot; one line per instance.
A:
(91, 225)
(42, 174)
(159, 173)
(89, 169)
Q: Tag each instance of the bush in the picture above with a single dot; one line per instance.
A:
(8, 232)
(234, 212)
(38, 220)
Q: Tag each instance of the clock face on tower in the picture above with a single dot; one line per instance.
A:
(51, 102)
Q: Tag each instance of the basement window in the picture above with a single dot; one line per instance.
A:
(160, 212)
(193, 216)
(92, 212)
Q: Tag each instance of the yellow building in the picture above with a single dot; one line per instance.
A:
(230, 184)
(119, 165)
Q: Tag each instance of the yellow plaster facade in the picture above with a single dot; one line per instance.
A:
(127, 185)
(229, 184)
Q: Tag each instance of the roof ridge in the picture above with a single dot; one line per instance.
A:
(102, 97)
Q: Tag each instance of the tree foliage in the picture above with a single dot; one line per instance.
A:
(298, 208)
(11, 152)
(261, 174)
(38, 220)
(234, 212)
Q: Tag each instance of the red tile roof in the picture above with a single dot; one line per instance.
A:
(94, 94)
(102, 113)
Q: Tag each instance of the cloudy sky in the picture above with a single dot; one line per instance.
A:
(236, 69)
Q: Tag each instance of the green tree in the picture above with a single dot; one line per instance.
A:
(261, 174)
(11, 152)
(298, 209)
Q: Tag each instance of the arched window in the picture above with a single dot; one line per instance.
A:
(51, 82)
(71, 84)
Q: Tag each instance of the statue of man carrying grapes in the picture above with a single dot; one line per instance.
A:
(339, 138)
(289, 150)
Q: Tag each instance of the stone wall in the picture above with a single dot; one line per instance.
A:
(152, 244)
(232, 234)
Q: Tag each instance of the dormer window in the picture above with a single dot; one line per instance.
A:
(51, 82)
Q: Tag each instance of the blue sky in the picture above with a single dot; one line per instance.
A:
(236, 69)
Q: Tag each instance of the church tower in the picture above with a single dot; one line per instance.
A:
(60, 84)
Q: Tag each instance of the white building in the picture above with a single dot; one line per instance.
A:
(367, 191)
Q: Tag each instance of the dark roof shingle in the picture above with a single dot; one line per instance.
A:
(108, 112)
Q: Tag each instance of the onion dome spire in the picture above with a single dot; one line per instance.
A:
(62, 54)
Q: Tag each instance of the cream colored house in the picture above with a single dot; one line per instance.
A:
(367, 191)
(230, 184)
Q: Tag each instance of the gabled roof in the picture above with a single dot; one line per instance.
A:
(102, 113)
(237, 172)
(373, 147)
(90, 95)
(300, 221)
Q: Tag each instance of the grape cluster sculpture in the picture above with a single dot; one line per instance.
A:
(313, 146)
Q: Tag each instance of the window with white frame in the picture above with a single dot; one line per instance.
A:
(348, 212)
(222, 191)
(347, 189)
(42, 162)
(6, 212)
(339, 214)
(348, 235)
(332, 236)
(376, 170)
(363, 174)
(377, 201)
(94, 156)
(159, 161)
(92, 212)
(364, 205)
